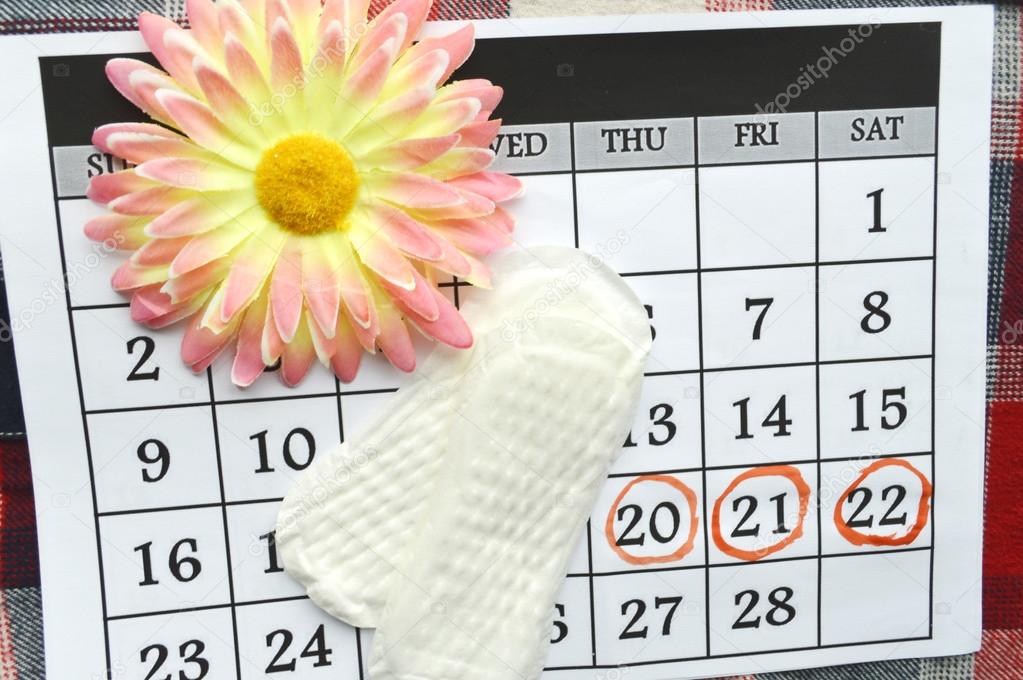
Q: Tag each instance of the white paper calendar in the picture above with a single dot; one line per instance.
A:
(800, 201)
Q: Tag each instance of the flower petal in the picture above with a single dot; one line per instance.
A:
(109, 186)
(389, 120)
(199, 214)
(123, 232)
(158, 251)
(104, 132)
(420, 299)
(228, 102)
(271, 344)
(502, 219)
(155, 30)
(207, 247)
(128, 276)
(394, 339)
(413, 190)
(120, 72)
(244, 71)
(355, 287)
(146, 84)
(496, 186)
(404, 232)
(349, 13)
(201, 346)
(383, 259)
(479, 132)
(139, 147)
(150, 303)
(488, 94)
(297, 356)
(320, 282)
(195, 174)
(285, 58)
(449, 327)
(347, 352)
(190, 284)
(202, 18)
(444, 117)
(408, 154)
(248, 359)
(414, 11)
(390, 28)
(200, 123)
(476, 236)
(458, 45)
(360, 89)
(235, 21)
(152, 201)
(250, 268)
(460, 161)
(286, 291)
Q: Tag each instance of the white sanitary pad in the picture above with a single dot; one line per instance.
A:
(449, 521)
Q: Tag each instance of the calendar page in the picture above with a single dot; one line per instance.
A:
(800, 201)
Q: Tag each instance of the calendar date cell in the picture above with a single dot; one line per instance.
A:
(255, 563)
(876, 209)
(154, 458)
(875, 408)
(89, 264)
(765, 512)
(266, 446)
(758, 607)
(753, 215)
(671, 305)
(547, 217)
(164, 561)
(760, 416)
(183, 646)
(665, 434)
(758, 317)
(570, 628)
(648, 522)
(124, 365)
(293, 639)
(875, 597)
(879, 310)
(639, 220)
(872, 505)
(650, 616)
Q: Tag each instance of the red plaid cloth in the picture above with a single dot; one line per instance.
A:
(1001, 657)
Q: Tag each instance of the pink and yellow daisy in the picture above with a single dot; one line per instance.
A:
(307, 179)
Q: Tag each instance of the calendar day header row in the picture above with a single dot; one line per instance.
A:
(652, 142)
(658, 142)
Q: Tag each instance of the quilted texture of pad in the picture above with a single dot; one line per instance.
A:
(344, 528)
(528, 451)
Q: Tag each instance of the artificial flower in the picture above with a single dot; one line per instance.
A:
(307, 180)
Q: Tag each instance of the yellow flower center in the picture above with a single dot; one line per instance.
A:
(307, 183)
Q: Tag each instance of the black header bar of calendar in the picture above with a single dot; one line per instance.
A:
(627, 76)
(680, 74)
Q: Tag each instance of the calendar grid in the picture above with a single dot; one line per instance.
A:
(589, 522)
(701, 370)
(934, 351)
(223, 517)
(713, 572)
(81, 402)
(817, 351)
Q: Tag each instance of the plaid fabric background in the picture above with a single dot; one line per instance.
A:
(1001, 656)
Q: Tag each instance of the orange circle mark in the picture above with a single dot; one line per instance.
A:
(802, 488)
(923, 508)
(682, 551)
